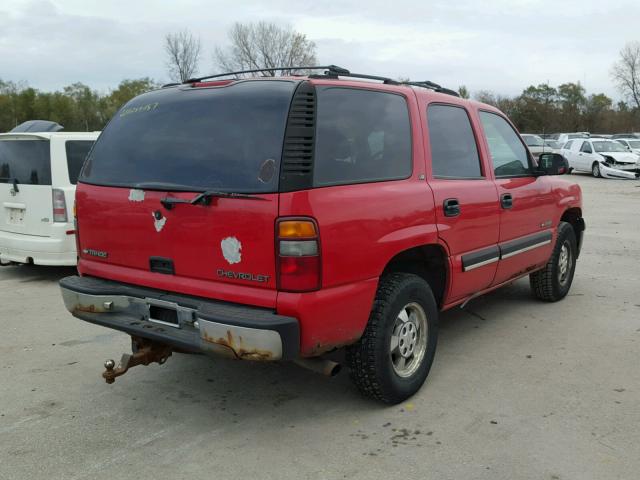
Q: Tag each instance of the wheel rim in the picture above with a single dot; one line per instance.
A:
(408, 340)
(565, 263)
(595, 170)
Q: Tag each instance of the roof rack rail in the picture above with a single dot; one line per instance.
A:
(433, 86)
(332, 71)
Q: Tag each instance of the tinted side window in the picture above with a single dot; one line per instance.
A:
(454, 153)
(509, 155)
(27, 161)
(567, 145)
(361, 136)
(586, 147)
(77, 151)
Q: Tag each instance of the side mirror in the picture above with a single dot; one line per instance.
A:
(553, 164)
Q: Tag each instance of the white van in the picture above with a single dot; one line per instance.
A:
(38, 173)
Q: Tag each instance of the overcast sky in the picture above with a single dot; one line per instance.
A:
(500, 45)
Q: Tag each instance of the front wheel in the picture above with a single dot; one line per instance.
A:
(595, 170)
(393, 357)
(553, 282)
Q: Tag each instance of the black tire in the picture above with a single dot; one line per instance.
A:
(370, 361)
(551, 283)
(595, 170)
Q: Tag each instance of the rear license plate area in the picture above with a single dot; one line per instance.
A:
(163, 315)
(15, 216)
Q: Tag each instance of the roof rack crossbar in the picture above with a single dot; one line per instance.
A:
(330, 70)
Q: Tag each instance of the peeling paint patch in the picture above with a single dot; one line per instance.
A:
(159, 224)
(231, 248)
(136, 195)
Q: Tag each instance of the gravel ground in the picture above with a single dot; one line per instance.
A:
(519, 389)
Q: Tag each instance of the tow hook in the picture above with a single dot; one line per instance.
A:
(146, 352)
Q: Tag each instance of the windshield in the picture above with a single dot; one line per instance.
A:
(608, 147)
(552, 144)
(224, 138)
(26, 161)
(533, 140)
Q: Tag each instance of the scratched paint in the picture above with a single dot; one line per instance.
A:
(159, 224)
(136, 195)
(231, 250)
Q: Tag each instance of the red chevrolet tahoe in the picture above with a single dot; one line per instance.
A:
(282, 218)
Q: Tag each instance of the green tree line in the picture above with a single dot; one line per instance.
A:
(77, 107)
(566, 108)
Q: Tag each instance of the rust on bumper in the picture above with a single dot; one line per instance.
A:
(235, 347)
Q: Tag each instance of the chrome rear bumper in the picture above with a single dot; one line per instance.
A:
(198, 325)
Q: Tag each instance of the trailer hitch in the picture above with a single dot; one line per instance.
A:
(145, 352)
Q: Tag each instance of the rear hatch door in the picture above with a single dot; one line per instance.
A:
(166, 149)
(25, 185)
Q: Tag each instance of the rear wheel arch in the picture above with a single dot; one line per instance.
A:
(429, 262)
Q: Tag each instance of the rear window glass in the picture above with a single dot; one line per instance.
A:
(454, 153)
(26, 161)
(77, 151)
(361, 136)
(228, 138)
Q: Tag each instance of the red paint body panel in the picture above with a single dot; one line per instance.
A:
(476, 227)
(330, 317)
(191, 236)
(532, 212)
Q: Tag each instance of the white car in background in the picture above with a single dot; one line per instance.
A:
(537, 144)
(632, 144)
(38, 173)
(565, 137)
(602, 157)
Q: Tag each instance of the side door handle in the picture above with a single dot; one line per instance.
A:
(451, 207)
(506, 200)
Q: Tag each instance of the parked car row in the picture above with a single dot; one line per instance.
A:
(607, 156)
(602, 157)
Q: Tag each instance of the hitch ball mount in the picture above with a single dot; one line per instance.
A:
(145, 352)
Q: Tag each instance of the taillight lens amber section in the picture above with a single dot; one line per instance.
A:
(298, 256)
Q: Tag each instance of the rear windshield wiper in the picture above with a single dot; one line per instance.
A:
(204, 198)
(13, 181)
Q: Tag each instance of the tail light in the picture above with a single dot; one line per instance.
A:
(59, 206)
(298, 255)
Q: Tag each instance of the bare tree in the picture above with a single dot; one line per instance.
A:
(265, 45)
(626, 72)
(183, 55)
